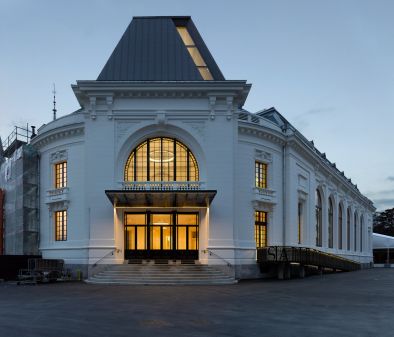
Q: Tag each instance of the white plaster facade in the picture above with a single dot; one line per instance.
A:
(206, 116)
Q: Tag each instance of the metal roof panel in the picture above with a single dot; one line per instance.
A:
(152, 50)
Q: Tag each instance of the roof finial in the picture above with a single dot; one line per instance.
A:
(54, 102)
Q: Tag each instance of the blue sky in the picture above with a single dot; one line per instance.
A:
(327, 66)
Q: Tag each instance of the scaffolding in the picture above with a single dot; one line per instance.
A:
(19, 181)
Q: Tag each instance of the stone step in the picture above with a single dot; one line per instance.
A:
(162, 282)
(159, 277)
(161, 274)
(174, 271)
(146, 281)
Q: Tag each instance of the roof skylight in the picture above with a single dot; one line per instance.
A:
(194, 53)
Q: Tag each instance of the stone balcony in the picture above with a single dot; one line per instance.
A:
(57, 195)
(264, 195)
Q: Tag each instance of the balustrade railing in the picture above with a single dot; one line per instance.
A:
(162, 185)
(264, 191)
(57, 191)
(57, 194)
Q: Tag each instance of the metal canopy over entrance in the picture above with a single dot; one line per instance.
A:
(174, 198)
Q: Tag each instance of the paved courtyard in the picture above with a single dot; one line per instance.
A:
(343, 304)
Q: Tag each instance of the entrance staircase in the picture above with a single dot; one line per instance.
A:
(161, 273)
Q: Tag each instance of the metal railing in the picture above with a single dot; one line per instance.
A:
(305, 256)
(210, 252)
(106, 255)
(18, 133)
(162, 185)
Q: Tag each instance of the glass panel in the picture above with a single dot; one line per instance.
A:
(263, 240)
(135, 219)
(193, 236)
(141, 237)
(185, 36)
(181, 162)
(261, 175)
(181, 238)
(155, 237)
(187, 219)
(129, 171)
(168, 159)
(196, 56)
(167, 237)
(155, 159)
(130, 237)
(61, 175)
(205, 73)
(141, 158)
(61, 225)
(161, 162)
(161, 219)
(193, 168)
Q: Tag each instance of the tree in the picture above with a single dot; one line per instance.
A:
(383, 222)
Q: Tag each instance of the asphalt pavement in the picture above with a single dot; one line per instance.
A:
(342, 304)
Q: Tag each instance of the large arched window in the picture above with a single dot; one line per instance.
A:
(348, 218)
(319, 219)
(355, 231)
(361, 232)
(330, 223)
(161, 159)
(340, 225)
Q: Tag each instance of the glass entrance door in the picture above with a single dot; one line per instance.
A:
(161, 235)
(161, 232)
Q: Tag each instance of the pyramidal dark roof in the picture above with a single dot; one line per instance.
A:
(151, 49)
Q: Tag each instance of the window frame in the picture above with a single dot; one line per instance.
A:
(61, 221)
(319, 218)
(330, 222)
(340, 226)
(60, 174)
(261, 229)
(134, 164)
(261, 174)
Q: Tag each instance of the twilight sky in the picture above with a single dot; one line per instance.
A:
(327, 66)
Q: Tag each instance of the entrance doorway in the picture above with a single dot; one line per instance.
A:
(157, 235)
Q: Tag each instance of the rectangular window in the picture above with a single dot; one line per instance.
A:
(61, 175)
(61, 225)
(261, 174)
(260, 234)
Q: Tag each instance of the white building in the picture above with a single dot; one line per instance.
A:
(161, 161)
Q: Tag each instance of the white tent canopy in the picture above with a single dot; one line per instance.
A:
(381, 241)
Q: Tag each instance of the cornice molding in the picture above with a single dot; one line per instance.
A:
(238, 90)
(261, 132)
(53, 135)
(328, 171)
(324, 170)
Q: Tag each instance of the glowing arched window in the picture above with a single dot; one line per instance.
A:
(348, 215)
(361, 232)
(319, 219)
(340, 225)
(161, 159)
(330, 223)
(355, 231)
